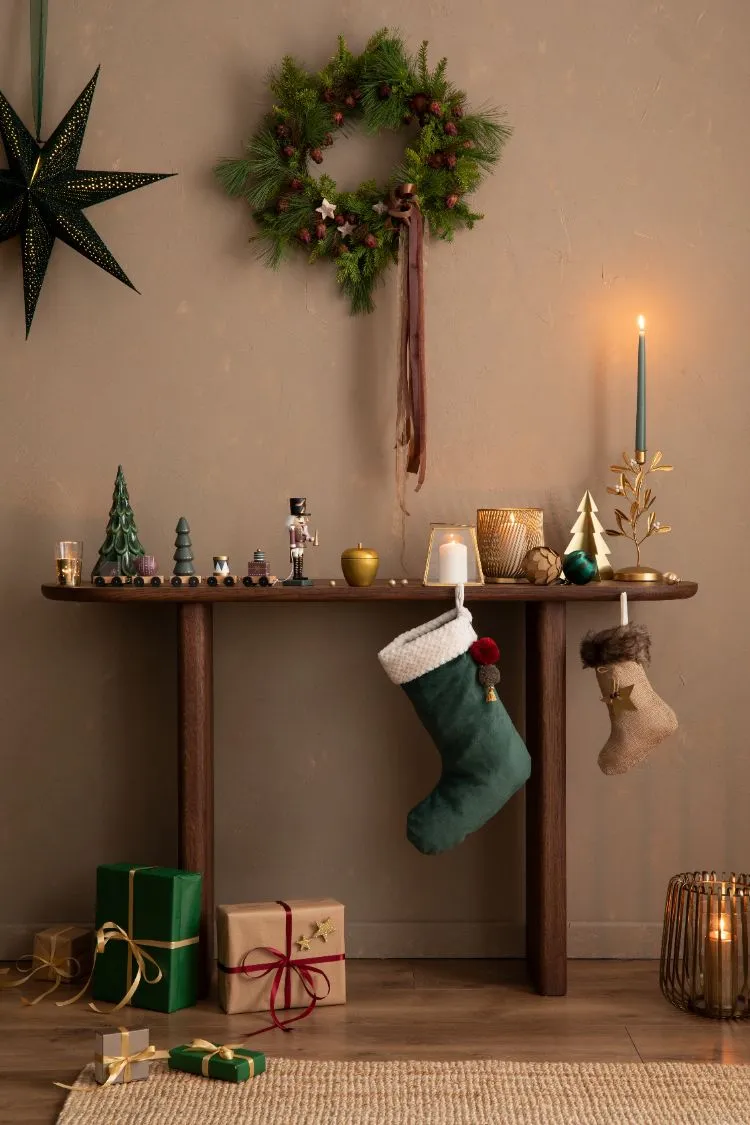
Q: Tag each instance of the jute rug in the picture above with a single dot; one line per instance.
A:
(426, 1093)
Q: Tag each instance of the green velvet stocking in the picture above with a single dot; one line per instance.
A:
(484, 760)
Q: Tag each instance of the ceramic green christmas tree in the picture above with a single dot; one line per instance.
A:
(183, 554)
(121, 546)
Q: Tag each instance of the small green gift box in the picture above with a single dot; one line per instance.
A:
(212, 1060)
(147, 922)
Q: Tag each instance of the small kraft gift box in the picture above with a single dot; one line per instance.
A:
(274, 956)
(122, 1055)
(65, 951)
(147, 922)
(228, 1062)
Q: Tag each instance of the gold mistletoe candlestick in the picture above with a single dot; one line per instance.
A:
(639, 523)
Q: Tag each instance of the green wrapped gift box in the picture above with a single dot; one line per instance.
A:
(159, 908)
(211, 1061)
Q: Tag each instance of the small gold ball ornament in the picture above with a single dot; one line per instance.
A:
(332, 582)
(671, 578)
(542, 566)
(391, 581)
(404, 581)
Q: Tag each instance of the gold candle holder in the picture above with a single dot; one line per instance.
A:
(640, 499)
(506, 535)
(68, 560)
(704, 953)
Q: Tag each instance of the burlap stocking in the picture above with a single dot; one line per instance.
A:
(640, 718)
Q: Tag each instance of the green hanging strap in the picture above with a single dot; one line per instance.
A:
(38, 30)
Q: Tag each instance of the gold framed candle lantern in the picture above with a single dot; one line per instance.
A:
(704, 952)
(453, 556)
(506, 535)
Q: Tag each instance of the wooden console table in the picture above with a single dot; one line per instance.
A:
(546, 906)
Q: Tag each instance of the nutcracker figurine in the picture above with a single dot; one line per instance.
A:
(299, 535)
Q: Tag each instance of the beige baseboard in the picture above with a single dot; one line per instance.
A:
(591, 940)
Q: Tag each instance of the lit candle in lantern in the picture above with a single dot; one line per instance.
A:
(453, 561)
(640, 407)
(718, 968)
(514, 544)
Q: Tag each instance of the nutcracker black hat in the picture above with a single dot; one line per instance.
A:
(297, 506)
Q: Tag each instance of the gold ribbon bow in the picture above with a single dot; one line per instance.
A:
(65, 969)
(110, 931)
(213, 1051)
(116, 1064)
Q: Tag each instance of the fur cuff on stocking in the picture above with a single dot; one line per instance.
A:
(616, 646)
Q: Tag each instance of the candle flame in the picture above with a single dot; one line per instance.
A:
(641, 324)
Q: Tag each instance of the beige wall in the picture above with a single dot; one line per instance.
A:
(225, 388)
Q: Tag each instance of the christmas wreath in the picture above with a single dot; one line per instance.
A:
(446, 157)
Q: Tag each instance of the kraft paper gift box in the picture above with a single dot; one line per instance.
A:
(65, 950)
(289, 944)
(115, 1043)
(159, 908)
(210, 1064)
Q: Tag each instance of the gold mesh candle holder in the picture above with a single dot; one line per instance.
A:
(505, 536)
(704, 951)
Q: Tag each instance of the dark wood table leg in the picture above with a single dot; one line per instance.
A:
(196, 761)
(546, 905)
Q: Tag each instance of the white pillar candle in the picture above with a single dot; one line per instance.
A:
(513, 545)
(453, 562)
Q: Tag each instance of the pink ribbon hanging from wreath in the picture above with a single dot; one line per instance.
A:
(411, 417)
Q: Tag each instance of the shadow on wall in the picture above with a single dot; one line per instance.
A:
(319, 759)
(103, 788)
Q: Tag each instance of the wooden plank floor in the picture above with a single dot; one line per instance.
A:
(613, 1012)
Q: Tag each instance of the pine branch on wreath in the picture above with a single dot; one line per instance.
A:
(447, 156)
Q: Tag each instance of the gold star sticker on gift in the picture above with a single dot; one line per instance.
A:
(302, 943)
(325, 929)
(619, 700)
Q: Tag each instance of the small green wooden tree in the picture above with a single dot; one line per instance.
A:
(121, 546)
(183, 555)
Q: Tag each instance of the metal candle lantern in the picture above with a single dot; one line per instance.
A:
(704, 952)
(506, 535)
(453, 556)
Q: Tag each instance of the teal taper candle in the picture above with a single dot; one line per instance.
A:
(640, 408)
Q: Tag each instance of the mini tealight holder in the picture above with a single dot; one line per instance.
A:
(453, 556)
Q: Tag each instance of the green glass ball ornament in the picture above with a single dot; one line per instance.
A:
(579, 568)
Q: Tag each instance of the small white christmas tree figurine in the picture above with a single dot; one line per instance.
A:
(588, 536)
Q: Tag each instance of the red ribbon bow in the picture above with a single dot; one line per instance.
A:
(283, 967)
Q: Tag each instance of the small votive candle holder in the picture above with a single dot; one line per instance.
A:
(453, 556)
(68, 560)
(704, 952)
(506, 535)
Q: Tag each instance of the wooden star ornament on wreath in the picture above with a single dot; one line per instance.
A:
(43, 195)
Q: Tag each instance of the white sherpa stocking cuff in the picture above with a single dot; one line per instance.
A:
(428, 646)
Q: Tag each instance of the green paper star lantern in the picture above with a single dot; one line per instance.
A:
(43, 195)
